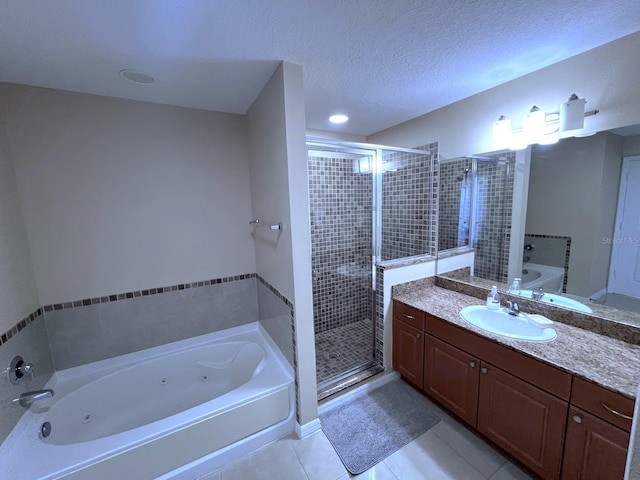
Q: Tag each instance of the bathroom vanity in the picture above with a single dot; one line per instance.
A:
(562, 408)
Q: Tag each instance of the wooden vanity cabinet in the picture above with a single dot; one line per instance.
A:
(597, 433)
(594, 449)
(408, 343)
(553, 422)
(451, 376)
(524, 420)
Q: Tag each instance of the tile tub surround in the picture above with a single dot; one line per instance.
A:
(614, 323)
(605, 361)
(275, 313)
(32, 344)
(117, 324)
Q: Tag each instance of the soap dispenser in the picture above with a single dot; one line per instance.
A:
(493, 299)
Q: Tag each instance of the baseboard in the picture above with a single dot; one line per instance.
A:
(309, 428)
(598, 294)
(368, 386)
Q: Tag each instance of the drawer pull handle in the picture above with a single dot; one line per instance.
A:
(483, 370)
(614, 412)
(577, 419)
(411, 317)
(472, 364)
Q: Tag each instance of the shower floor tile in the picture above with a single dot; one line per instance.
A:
(343, 348)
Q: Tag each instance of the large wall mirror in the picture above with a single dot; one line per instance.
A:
(570, 243)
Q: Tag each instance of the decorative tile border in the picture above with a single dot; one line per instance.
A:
(296, 363)
(5, 337)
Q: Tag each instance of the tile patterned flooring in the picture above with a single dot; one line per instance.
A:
(448, 451)
(343, 348)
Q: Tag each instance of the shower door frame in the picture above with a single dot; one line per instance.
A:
(376, 156)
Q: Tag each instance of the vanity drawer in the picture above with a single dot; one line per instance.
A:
(603, 403)
(546, 377)
(409, 315)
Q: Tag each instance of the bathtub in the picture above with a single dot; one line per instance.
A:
(175, 411)
(549, 278)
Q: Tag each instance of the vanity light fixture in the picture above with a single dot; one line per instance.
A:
(541, 127)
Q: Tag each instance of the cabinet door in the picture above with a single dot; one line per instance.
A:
(408, 352)
(524, 420)
(594, 450)
(451, 376)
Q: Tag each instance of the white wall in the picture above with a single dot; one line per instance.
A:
(605, 76)
(573, 192)
(279, 193)
(119, 195)
(18, 295)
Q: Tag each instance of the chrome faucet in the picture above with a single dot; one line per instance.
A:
(27, 398)
(537, 294)
(512, 309)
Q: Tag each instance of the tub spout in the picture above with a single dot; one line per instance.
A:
(27, 398)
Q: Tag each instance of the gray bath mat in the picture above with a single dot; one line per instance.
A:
(370, 427)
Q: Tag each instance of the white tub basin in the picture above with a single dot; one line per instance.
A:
(559, 301)
(501, 323)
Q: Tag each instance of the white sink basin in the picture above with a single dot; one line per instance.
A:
(501, 323)
(559, 301)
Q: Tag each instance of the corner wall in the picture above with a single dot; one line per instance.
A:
(279, 193)
(120, 196)
(22, 329)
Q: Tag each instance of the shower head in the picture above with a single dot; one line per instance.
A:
(461, 177)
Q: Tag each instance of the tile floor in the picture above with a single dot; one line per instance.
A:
(620, 301)
(448, 451)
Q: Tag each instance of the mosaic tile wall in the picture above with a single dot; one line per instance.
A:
(454, 214)
(341, 242)
(493, 214)
(409, 204)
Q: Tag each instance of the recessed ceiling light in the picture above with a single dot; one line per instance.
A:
(137, 77)
(338, 118)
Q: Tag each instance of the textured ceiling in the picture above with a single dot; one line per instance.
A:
(381, 62)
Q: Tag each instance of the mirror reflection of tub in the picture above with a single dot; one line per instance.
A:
(535, 276)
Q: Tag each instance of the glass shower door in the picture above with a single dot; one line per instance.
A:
(341, 211)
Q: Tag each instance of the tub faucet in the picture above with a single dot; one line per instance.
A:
(537, 294)
(27, 398)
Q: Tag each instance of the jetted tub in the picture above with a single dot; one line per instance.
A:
(549, 278)
(174, 411)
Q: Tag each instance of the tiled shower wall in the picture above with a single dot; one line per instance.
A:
(454, 213)
(409, 204)
(341, 242)
(493, 215)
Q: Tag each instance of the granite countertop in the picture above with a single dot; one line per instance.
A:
(605, 361)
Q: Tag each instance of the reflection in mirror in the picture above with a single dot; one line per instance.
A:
(571, 245)
(475, 202)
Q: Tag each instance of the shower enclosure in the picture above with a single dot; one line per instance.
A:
(369, 205)
(476, 197)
